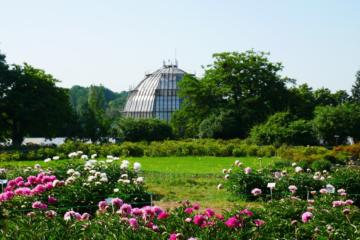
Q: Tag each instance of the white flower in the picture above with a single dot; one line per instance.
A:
(104, 166)
(109, 161)
(97, 174)
(70, 180)
(124, 166)
(72, 155)
(91, 178)
(294, 164)
(93, 161)
(116, 190)
(70, 171)
(103, 179)
(137, 166)
(140, 179)
(79, 152)
(84, 157)
(88, 164)
(26, 170)
(120, 180)
(37, 166)
(124, 176)
(29, 168)
(97, 183)
(56, 158)
(55, 182)
(126, 181)
(115, 158)
(101, 162)
(76, 174)
(86, 184)
(109, 156)
(47, 160)
(92, 171)
(126, 162)
(94, 156)
(324, 171)
(87, 169)
(103, 175)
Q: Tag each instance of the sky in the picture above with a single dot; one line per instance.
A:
(113, 42)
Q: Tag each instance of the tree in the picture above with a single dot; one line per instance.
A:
(342, 120)
(355, 89)
(5, 132)
(283, 127)
(341, 97)
(302, 101)
(223, 126)
(324, 97)
(31, 99)
(143, 129)
(246, 83)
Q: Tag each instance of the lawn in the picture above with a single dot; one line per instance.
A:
(204, 165)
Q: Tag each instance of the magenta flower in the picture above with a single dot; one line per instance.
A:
(43, 206)
(103, 205)
(173, 237)
(52, 200)
(196, 207)
(136, 212)
(18, 179)
(232, 222)
(49, 185)
(50, 214)
(219, 217)
(31, 179)
(311, 201)
(188, 210)
(11, 183)
(117, 202)
(27, 184)
(210, 213)
(306, 217)
(317, 230)
(350, 202)
(155, 228)
(258, 223)
(36, 205)
(156, 210)
(125, 209)
(256, 191)
(149, 224)
(8, 195)
(338, 203)
(329, 228)
(247, 212)
(21, 183)
(188, 220)
(85, 216)
(31, 213)
(346, 211)
(292, 188)
(163, 215)
(199, 219)
(133, 223)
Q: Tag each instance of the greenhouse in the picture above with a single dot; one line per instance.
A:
(156, 96)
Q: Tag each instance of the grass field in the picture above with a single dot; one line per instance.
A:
(208, 165)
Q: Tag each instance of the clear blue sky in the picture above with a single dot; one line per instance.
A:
(114, 42)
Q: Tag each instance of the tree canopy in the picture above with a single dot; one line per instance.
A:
(245, 83)
(30, 99)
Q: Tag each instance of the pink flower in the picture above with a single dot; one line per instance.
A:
(298, 169)
(21, 183)
(313, 192)
(210, 213)
(19, 179)
(283, 173)
(150, 224)
(157, 210)
(341, 191)
(346, 211)
(325, 210)
(306, 217)
(136, 212)
(292, 188)
(294, 198)
(173, 237)
(338, 203)
(43, 206)
(31, 213)
(317, 230)
(237, 162)
(247, 170)
(196, 207)
(27, 184)
(256, 191)
(117, 202)
(311, 201)
(103, 205)
(85, 216)
(323, 191)
(220, 217)
(199, 219)
(11, 183)
(49, 185)
(125, 209)
(322, 179)
(188, 220)
(350, 202)
(36, 205)
(258, 223)
(50, 214)
(186, 202)
(163, 215)
(155, 228)
(31, 179)
(311, 208)
(316, 178)
(224, 171)
(295, 222)
(219, 186)
(8, 195)
(133, 223)
(246, 211)
(329, 228)
(147, 210)
(41, 175)
(240, 164)
(227, 177)
(277, 174)
(18, 191)
(188, 210)
(343, 194)
(232, 222)
(52, 200)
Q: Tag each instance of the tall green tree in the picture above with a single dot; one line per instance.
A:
(342, 120)
(246, 83)
(302, 101)
(31, 99)
(5, 75)
(355, 89)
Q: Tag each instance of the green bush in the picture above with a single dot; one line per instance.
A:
(319, 165)
(252, 150)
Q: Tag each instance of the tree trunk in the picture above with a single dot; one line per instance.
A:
(17, 134)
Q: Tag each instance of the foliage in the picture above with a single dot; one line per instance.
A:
(355, 89)
(282, 127)
(246, 83)
(31, 100)
(342, 120)
(143, 129)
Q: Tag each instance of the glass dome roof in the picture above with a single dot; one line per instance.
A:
(156, 96)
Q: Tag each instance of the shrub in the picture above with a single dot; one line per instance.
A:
(319, 165)
(252, 150)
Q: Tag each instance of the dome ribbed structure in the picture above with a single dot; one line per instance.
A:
(156, 96)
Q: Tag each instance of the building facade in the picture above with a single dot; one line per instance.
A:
(156, 96)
